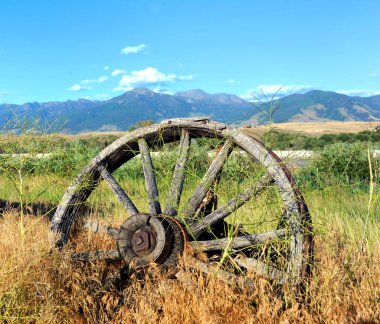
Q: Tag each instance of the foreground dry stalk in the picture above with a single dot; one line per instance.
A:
(37, 285)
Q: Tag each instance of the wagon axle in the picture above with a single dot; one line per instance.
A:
(144, 239)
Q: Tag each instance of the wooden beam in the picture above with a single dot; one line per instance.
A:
(216, 271)
(239, 241)
(96, 227)
(208, 179)
(261, 268)
(118, 191)
(150, 178)
(198, 227)
(175, 191)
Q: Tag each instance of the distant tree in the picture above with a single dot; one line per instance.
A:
(363, 137)
(345, 137)
(327, 139)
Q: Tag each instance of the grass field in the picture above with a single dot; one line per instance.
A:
(40, 284)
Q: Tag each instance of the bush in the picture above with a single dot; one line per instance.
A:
(65, 160)
(345, 161)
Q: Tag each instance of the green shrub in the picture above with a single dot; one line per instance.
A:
(65, 160)
(348, 162)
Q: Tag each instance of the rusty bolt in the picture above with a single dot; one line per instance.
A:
(143, 241)
(139, 240)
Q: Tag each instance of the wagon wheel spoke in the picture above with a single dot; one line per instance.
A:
(216, 271)
(175, 191)
(107, 255)
(210, 201)
(261, 268)
(118, 191)
(96, 228)
(239, 242)
(150, 178)
(198, 227)
(208, 179)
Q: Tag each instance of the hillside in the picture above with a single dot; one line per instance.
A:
(119, 113)
(319, 105)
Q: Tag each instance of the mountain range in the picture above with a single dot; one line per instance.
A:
(124, 111)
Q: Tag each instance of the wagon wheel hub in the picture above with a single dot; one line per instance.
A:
(143, 241)
(145, 238)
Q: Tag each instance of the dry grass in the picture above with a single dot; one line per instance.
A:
(308, 128)
(39, 286)
(316, 128)
(89, 135)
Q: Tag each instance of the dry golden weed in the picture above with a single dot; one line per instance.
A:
(38, 284)
(316, 128)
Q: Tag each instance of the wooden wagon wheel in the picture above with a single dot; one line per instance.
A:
(265, 227)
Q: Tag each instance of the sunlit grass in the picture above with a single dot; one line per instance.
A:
(40, 284)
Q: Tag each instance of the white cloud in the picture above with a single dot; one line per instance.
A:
(359, 92)
(149, 77)
(78, 87)
(101, 79)
(106, 68)
(133, 49)
(282, 89)
(232, 81)
(118, 72)
(163, 90)
(274, 91)
(374, 74)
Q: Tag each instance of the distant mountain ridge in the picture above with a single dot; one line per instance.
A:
(122, 112)
(317, 105)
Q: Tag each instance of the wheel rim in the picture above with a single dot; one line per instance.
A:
(298, 229)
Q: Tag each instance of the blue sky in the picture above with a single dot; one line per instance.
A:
(59, 50)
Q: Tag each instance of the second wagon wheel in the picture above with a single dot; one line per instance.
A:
(191, 183)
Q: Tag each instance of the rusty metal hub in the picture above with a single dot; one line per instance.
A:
(144, 239)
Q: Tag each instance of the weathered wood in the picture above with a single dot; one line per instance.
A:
(96, 227)
(210, 201)
(123, 149)
(177, 121)
(220, 274)
(199, 226)
(111, 255)
(261, 268)
(239, 241)
(175, 191)
(118, 191)
(150, 178)
(208, 179)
